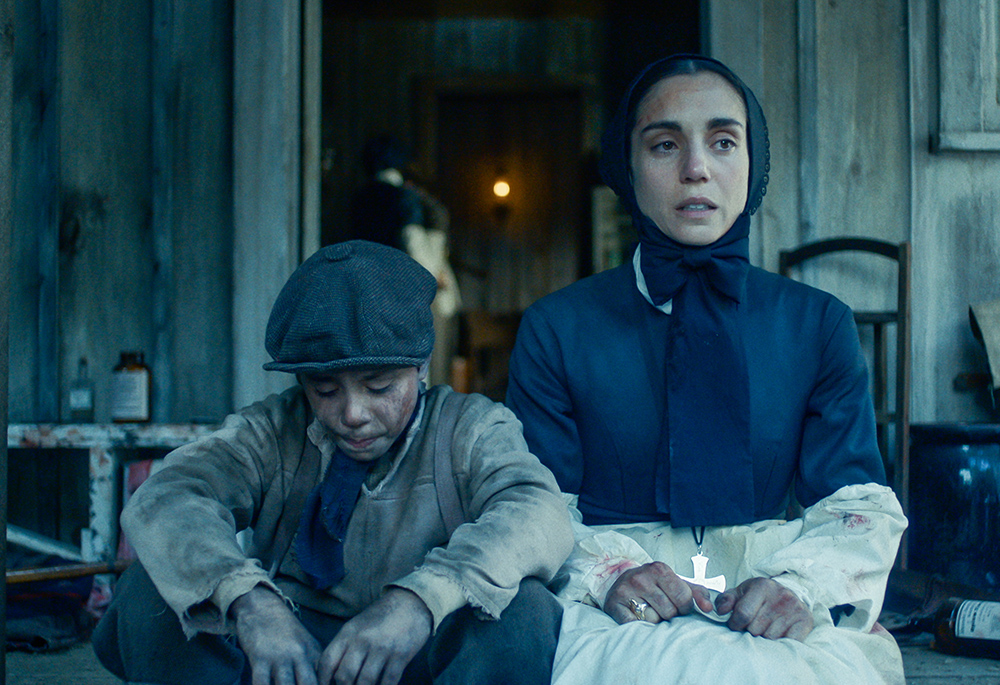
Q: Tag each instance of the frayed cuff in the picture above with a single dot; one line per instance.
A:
(792, 583)
(212, 614)
(441, 594)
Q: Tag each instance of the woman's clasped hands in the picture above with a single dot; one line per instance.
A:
(760, 606)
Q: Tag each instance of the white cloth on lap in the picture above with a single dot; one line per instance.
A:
(839, 553)
(692, 650)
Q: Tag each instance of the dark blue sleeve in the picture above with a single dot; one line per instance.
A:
(538, 395)
(839, 445)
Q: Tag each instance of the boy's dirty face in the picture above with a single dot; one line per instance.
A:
(365, 410)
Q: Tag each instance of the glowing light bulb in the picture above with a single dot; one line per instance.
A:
(501, 188)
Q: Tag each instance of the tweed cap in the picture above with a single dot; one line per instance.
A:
(352, 304)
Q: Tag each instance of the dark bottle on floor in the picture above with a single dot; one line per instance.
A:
(964, 627)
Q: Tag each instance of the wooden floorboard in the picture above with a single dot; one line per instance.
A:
(925, 667)
(78, 666)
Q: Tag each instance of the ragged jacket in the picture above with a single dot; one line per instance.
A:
(251, 474)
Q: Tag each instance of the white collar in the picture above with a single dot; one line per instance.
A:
(640, 282)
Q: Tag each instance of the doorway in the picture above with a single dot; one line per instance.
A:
(510, 250)
(512, 246)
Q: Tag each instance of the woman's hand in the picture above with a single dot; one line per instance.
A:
(657, 587)
(766, 608)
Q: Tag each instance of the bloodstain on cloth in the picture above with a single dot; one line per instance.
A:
(853, 521)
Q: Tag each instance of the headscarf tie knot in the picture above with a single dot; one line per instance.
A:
(696, 260)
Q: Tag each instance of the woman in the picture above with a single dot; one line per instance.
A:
(680, 397)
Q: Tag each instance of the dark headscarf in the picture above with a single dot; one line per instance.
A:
(707, 431)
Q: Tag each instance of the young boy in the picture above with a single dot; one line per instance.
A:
(398, 533)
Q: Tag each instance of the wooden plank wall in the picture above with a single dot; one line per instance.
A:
(102, 178)
(956, 226)
(34, 266)
(873, 70)
(192, 209)
(268, 181)
(833, 88)
(6, 220)
(118, 243)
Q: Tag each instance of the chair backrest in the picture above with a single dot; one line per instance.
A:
(891, 408)
(487, 341)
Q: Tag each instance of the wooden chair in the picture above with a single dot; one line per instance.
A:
(892, 402)
(486, 342)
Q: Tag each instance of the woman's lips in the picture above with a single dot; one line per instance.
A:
(696, 204)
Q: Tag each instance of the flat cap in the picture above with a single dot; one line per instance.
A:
(352, 304)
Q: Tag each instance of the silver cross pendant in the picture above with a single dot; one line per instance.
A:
(700, 563)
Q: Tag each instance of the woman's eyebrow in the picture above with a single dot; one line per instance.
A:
(725, 122)
(717, 122)
(661, 125)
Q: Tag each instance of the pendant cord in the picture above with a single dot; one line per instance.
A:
(699, 537)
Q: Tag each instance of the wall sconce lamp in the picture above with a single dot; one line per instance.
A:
(501, 191)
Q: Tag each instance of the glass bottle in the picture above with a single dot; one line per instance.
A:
(130, 387)
(81, 395)
(964, 627)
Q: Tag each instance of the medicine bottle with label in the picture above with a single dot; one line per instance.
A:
(130, 386)
(81, 395)
(965, 627)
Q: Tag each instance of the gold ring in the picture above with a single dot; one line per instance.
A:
(638, 608)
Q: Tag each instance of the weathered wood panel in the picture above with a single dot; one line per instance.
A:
(192, 210)
(34, 211)
(778, 222)
(104, 171)
(834, 92)
(6, 222)
(120, 244)
(862, 156)
(956, 229)
(969, 63)
(877, 96)
(267, 189)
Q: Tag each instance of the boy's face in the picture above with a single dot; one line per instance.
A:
(365, 410)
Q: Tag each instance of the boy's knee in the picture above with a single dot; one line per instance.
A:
(516, 648)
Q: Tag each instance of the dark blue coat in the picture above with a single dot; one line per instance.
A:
(586, 380)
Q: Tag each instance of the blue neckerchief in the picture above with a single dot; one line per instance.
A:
(319, 544)
(707, 431)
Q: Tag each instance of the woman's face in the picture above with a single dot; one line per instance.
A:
(690, 156)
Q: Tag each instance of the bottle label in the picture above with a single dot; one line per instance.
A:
(81, 399)
(130, 395)
(979, 620)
